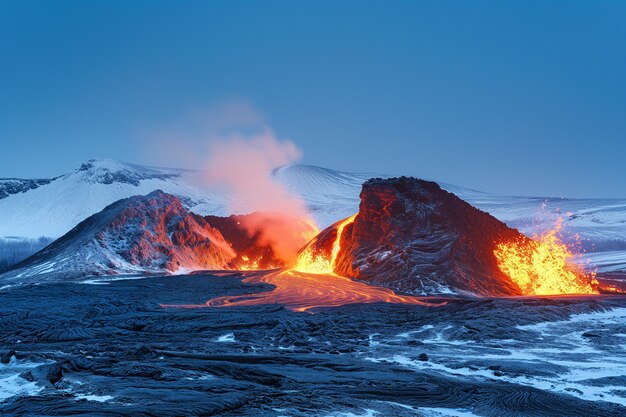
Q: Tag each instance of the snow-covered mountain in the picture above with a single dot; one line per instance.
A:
(52, 207)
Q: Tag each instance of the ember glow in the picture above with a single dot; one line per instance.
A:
(317, 263)
(243, 165)
(284, 234)
(249, 264)
(544, 265)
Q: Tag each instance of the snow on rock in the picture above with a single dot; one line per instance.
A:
(152, 233)
(9, 186)
(11, 381)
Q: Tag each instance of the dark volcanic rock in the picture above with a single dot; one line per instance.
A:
(5, 357)
(48, 373)
(411, 235)
(145, 360)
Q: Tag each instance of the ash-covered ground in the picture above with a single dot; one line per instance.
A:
(112, 349)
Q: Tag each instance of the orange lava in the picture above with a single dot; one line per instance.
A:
(543, 266)
(249, 264)
(309, 262)
(302, 292)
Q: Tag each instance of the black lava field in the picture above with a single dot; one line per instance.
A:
(113, 349)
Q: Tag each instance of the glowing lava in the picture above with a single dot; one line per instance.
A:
(248, 264)
(543, 266)
(303, 292)
(315, 263)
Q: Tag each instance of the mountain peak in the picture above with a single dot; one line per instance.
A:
(102, 163)
(107, 171)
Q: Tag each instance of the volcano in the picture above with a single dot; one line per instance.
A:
(411, 235)
(154, 233)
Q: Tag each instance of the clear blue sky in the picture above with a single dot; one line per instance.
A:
(524, 97)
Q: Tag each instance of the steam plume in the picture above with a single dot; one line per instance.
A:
(244, 163)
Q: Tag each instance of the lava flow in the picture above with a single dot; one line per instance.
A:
(543, 266)
(317, 263)
(302, 292)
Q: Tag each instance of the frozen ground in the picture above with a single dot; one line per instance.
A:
(111, 349)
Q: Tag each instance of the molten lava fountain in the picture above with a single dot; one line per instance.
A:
(543, 266)
(317, 264)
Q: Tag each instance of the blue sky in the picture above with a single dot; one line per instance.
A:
(510, 97)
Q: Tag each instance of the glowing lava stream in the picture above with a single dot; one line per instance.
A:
(308, 262)
(299, 291)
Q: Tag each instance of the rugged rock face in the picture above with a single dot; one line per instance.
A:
(153, 233)
(9, 186)
(156, 232)
(411, 235)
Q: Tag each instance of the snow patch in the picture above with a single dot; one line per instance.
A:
(93, 397)
(366, 413)
(12, 384)
(227, 338)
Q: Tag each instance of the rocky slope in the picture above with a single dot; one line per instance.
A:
(411, 235)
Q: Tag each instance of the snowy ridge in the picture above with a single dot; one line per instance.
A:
(109, 172)
(55, 208)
